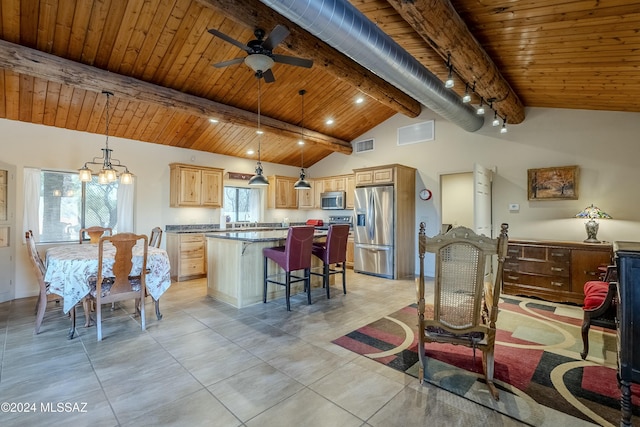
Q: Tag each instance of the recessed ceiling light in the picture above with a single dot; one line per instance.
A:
(212, 120)
(359, 100)
(329, 121)
(250, 152)
(300, 142)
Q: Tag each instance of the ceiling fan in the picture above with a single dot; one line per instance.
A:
(260, 56)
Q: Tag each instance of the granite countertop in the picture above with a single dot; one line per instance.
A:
(251, 235)
(215, 228)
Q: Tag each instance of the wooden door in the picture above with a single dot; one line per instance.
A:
(7, 232)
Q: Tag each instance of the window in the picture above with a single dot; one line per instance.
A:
(67, 205)
(241, 204)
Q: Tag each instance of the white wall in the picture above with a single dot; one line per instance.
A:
(603, 144)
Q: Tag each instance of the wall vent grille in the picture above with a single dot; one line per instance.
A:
(413, 134)
(364, 146)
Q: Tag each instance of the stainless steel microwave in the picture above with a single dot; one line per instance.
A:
(333, 200)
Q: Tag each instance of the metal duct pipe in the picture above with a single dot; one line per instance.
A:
(345, 28)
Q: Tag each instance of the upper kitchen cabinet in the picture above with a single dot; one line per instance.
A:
(307, 196)
(375, 176)
(195, 186)
(281, 194)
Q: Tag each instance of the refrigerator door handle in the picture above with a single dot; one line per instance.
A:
(372, 216)
(373, 248)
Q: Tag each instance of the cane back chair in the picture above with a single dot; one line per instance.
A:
(465, 306)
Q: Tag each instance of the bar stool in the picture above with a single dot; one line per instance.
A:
(333, 251)
(294, 255)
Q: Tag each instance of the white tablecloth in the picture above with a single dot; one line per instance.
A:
(70, 266)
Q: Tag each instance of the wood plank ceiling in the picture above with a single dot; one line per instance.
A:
(156, 56)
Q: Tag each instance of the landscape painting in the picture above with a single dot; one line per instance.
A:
(557, 183)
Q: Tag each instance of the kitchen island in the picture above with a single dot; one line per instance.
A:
(236, 266)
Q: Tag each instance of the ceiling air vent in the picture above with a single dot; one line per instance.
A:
(420, 132)
(364, 146)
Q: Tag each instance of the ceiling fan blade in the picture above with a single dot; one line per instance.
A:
(229, 62)
(228, 39)
(268, 76)
(292, 60)
(279, 33)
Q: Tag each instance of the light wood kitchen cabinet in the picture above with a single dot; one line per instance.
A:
(195, 186)
(351, 187)
(372, 176)
(187, 255)
(553, 270)
(350, 251)
(346, 183)
(306, 197)
(281, 194)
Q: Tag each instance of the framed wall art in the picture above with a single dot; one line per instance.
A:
(557, 183)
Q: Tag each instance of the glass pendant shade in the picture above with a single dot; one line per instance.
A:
(126, 178)
(84, 174)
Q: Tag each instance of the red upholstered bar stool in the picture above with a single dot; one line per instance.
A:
(600, 300)
(293, 256)
(333, 251)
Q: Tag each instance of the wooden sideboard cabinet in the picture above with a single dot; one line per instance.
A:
(553, 270)
(627, 257)
(187, 255)
(195, 186)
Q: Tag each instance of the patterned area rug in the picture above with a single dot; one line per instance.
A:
(538, 368)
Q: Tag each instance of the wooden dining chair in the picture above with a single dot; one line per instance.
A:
(121, 285)
(154, 241)
(155, 237)
(94, 233)
(465, 307)
(44, 294)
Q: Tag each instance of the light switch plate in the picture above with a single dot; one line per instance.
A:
(514, 207)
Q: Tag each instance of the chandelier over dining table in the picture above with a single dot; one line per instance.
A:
(109, 171)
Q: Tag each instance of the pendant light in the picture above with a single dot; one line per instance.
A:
(259, 179)
(302, 184)
(108, 173)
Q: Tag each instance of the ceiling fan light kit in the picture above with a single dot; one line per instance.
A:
(260, 57)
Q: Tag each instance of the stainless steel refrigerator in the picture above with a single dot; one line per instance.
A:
(374, 226)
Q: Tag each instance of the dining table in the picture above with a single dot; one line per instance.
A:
(69, 267)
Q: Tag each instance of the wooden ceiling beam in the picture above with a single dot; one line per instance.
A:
(31, 62)
(438, 23)
(255, 14)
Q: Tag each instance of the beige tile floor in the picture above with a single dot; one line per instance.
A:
(207, 363)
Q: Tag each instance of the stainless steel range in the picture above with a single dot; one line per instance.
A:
(341, 219)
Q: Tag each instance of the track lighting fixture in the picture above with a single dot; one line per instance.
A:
(495, 122)
(503, 129)
(480, 110)
(467, 97)
(449, 83)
